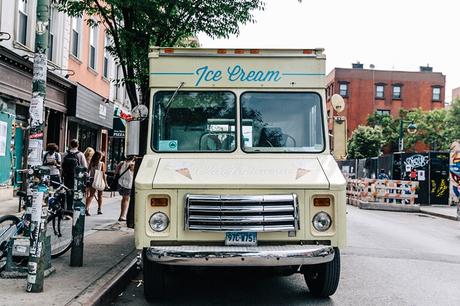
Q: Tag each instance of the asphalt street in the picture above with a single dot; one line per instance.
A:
(391, 259)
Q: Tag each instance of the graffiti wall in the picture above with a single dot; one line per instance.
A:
(454, 172)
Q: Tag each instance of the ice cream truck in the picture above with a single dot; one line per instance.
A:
(238, 170)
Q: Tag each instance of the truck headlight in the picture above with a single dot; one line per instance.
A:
(322, 221)
(159, 222)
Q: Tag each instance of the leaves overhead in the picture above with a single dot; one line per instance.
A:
(135, 25)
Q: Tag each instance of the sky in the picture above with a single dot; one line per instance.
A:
(390, 34)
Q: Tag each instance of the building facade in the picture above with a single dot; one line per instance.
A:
(368, 91)
(81, 98)
(91, 116)
(17, 38)
(455, 93)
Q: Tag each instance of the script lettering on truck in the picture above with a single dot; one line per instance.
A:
(236, 73)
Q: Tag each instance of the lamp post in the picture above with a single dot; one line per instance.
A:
(411, 128)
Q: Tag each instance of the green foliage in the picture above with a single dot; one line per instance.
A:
(453, 120)
(436, 128)
(366, 141)
(388, 126)
(135, 25)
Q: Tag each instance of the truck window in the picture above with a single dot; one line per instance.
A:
(194, 121)
(281, 122)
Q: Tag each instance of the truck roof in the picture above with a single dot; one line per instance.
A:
(237, 68)
(237, 52)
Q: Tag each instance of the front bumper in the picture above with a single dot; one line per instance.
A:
(286, 255)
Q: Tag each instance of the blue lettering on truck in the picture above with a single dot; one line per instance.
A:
(236, 73)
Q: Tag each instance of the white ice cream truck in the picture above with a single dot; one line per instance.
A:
(238, 170)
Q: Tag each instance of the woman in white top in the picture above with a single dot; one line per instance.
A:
(95, 164)
(125, 182)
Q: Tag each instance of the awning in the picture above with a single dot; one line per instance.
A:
(118, 130)
(91, 107)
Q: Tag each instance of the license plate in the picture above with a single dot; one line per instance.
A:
(241, 238)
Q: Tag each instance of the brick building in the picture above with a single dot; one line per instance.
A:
(367, 91)
(455, 93)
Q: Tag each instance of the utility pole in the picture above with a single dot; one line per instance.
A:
(78, 228)
(36, 266)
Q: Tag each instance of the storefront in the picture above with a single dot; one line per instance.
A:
(15, 95)
(90, 119)
(116, 144)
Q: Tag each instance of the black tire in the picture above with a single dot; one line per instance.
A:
(154, 279)
(60, 224)
(7, 229)
(323, 279)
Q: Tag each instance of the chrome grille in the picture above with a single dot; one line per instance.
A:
(242, 213)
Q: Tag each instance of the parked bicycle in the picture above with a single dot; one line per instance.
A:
(59, 225)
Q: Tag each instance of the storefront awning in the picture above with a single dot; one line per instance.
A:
(91, 107)
(118, 130)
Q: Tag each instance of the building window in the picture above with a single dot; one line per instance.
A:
(93, 46)
(436, 93)
(383, 112)
(396, 91)
(76, 31)
(105, 70)
(380, 91)
(22, 24)
(343, 89)
(51, 33)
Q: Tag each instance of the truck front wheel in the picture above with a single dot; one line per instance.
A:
(323, 279)
(154, 278)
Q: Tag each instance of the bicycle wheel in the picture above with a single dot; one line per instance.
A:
(59, 227)
(8, 227)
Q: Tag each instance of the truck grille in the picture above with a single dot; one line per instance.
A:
(241, 213)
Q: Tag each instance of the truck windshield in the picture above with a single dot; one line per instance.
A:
(194, 121)
(281, 122)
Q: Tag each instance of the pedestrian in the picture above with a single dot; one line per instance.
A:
(125, 169)
(71, 159)
(383, 175)
(96, 163)
(89, 152)
(52, 159)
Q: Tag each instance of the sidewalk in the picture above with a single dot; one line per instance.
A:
(108, 250)
(442, 211)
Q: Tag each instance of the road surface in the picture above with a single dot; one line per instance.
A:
(391, 259)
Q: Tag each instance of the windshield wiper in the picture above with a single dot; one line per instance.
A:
(171, 100)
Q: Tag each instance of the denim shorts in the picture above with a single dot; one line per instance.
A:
(124, 191)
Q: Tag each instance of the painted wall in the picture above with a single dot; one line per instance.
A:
(90, 78)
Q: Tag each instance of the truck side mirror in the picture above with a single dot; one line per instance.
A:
(338, 103)
(339, 137)
(132, 138)
(139, 113)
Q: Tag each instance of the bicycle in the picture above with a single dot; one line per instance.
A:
(59, 225)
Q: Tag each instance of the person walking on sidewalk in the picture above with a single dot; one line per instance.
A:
(89, 152)
(52, 159)
(71, 159)
(96, 163)
(125, 182)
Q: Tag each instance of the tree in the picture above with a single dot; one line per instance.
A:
(453, 121)
(135, 25)
(365, 142)
(389, 129)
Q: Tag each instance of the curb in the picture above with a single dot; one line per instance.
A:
(389, 207)
(453, 218)
(102, 290)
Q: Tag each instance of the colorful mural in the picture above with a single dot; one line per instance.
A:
(454, 172)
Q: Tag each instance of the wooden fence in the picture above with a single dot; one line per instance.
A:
(381, 191)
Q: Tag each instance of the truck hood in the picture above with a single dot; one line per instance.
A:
(229, 173)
